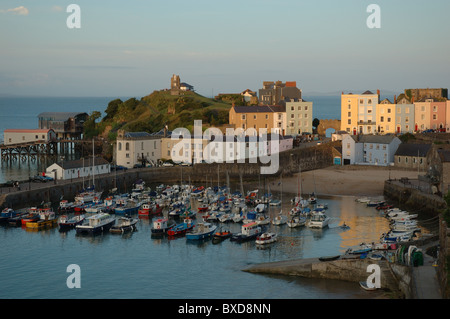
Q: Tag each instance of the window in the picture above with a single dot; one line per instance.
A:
(120, 146)
(243, 116)
(382, 119)
(127, 146)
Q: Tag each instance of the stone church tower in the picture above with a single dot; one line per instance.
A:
(175, 85)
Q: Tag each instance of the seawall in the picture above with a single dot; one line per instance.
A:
(413, 199)
(395, 278)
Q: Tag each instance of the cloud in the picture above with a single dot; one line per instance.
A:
(19, 11)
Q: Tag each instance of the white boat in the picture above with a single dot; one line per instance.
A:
(318, 220)
(275, 202)
(124, 224)
(248, 231)
(237, 218)
(296, 221)
(96, 224)
(262, 220)
(279, 220)
(295, 211)
(266, 238)
(225, 218)
(260, 208)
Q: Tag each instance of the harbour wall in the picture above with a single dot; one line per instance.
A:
(413, 199)
(394, 277)
(289, 163)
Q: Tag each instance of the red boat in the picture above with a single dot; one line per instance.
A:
(203, 208)
(147, 210)
(32, 216)
(182, 228)
(384, 207)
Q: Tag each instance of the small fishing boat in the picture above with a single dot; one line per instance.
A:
(31, 216)
(221, 234)
(65, 206)
(296, 221)
(124, 224)
(182, 228)
(248, 232)
(266, 238)
(329, 258)
(161, 226)
(203, 208)
(279, 220)
(47, 218)
(375, 203)
(238, 217)
(66, 223)
(16, 220)
(131, 207)
(96, 224)
(201, 231)
(6, 214)
(318, 220)
(225, 218)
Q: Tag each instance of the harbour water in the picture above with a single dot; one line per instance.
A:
(135, 265)
(22, 112)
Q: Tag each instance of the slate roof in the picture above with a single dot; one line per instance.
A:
(406, 149)
(444, 155)
(260, 109)
(377, 139)
(79, 163)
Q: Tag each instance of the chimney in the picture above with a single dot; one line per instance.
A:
(395, 99)
(378, 93)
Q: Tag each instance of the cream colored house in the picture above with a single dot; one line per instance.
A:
(299, 117)
(137, 148)
(17, 136)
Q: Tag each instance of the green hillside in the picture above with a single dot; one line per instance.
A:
(152, 112)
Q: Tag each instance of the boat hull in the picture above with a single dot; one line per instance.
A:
(94, 230)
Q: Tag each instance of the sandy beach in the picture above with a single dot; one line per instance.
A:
(343, 181)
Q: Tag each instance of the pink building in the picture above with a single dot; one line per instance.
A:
(447, 116)
(438, 116)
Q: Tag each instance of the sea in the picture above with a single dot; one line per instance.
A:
(38, 264)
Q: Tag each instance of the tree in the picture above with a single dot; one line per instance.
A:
(90, 127)
(112, 109)
(315, 124)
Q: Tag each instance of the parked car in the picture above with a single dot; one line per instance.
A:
(138, 166)
(118, 168)
(167, 164)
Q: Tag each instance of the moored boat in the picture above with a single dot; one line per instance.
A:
(201, 231)
(124, 224)
(296, 221)
(182, 228)
(221, 234)
(161, 226)
(266, 238)
(318, 220)
(96, 224)
(279, 220)
(6, 214)
(47, 219)
(66, 223)
(248, 232)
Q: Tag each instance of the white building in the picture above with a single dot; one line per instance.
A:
(369, 149)
(78, 168)
(138, 148)
(17, 136)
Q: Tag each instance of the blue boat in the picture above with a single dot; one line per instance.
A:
(201, 231)
(182, 228)
(6, 214)
(130, 208)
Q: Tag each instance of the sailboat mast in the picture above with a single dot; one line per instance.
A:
(93, 164)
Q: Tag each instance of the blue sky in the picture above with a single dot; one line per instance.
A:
(131, 48)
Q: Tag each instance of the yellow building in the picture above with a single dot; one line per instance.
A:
(259, 117)
(349, 113)
(358, 112)
(385, 117)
